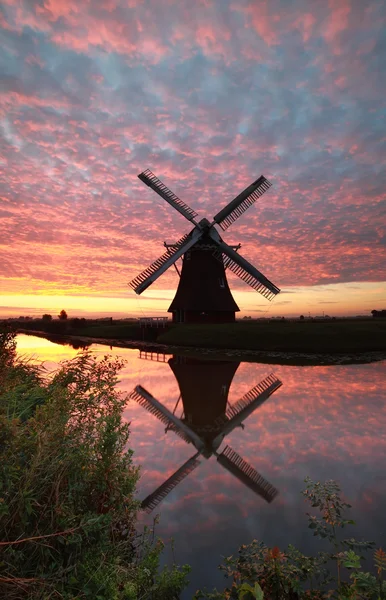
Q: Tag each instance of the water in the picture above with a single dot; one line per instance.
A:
(325, 422)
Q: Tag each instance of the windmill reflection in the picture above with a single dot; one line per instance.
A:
(206, 418)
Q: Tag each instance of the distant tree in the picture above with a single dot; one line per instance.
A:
(379, 313)
(47, 317)
(63, 315)
(76, 323)
(301, 317)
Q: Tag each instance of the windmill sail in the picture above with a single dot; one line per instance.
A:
(241, 410)
(247, 272)
(261, 392)
(236, 465)
(162, 190)
(152, 500)
(151, 404)
(242, 202)
(149, 275)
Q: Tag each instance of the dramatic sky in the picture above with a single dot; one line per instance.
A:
(209, 94)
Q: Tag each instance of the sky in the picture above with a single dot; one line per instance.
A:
(209, 95)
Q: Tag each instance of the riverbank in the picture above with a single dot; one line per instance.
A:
(229, 354)
(69, 522)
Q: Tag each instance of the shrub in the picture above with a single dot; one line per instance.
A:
(290, 575)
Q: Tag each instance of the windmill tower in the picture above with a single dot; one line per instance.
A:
(203, 294)
(206, 420)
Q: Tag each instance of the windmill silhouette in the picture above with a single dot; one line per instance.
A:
(208, 418)
(203, 293)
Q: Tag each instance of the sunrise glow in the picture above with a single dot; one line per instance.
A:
(209, 95)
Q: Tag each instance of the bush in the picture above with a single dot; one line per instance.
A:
(67, 512)
(290, 575)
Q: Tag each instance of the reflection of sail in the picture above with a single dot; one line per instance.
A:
(236, 465)
(249, 402)
(207, 418)
(151, 501)
(160, 411)
(269, 384)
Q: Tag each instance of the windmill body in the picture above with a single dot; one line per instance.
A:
(203, 294)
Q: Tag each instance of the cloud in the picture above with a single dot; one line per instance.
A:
(93, 93)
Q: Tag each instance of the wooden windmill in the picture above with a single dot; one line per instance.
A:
(208, 418)
(203, 293)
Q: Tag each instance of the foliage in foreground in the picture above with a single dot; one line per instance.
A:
(263, 573)
(67, 513)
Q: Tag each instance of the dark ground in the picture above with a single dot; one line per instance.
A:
(291, 342)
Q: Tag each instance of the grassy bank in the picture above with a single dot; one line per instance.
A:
(332, 337)
(120, 330)
(67, 484)
(316, 337)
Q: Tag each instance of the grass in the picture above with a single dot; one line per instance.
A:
(67, 485)
(346, 336)
(283, 336)
(119, 331)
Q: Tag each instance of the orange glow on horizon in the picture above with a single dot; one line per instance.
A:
(356, 298)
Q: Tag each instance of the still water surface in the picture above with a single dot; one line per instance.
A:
(326, 422)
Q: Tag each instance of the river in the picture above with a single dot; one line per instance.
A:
(327, 422)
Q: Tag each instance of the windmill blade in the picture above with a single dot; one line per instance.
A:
(244, 407)
(238, 412)
(247, 272)
(151, 404)
(162, 190)
(152, 500)
(242, 202)
(236, 465)
(149, 275)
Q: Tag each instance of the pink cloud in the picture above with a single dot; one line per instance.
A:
(306, 24)
(337, 22)
(262, 20)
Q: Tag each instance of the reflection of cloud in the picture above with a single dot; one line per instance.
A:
(208, 99)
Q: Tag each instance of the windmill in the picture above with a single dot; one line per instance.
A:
(203, 293)
(208, 418)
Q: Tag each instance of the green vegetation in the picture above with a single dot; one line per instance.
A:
(266, 573)
(67, 512)
(283, 336)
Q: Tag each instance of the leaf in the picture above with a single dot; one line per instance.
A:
(244, 590)
(259, 594)
(352, 560)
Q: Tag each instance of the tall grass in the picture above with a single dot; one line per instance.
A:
(67, 483)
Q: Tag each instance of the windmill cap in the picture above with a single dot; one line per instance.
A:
(204, 223)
